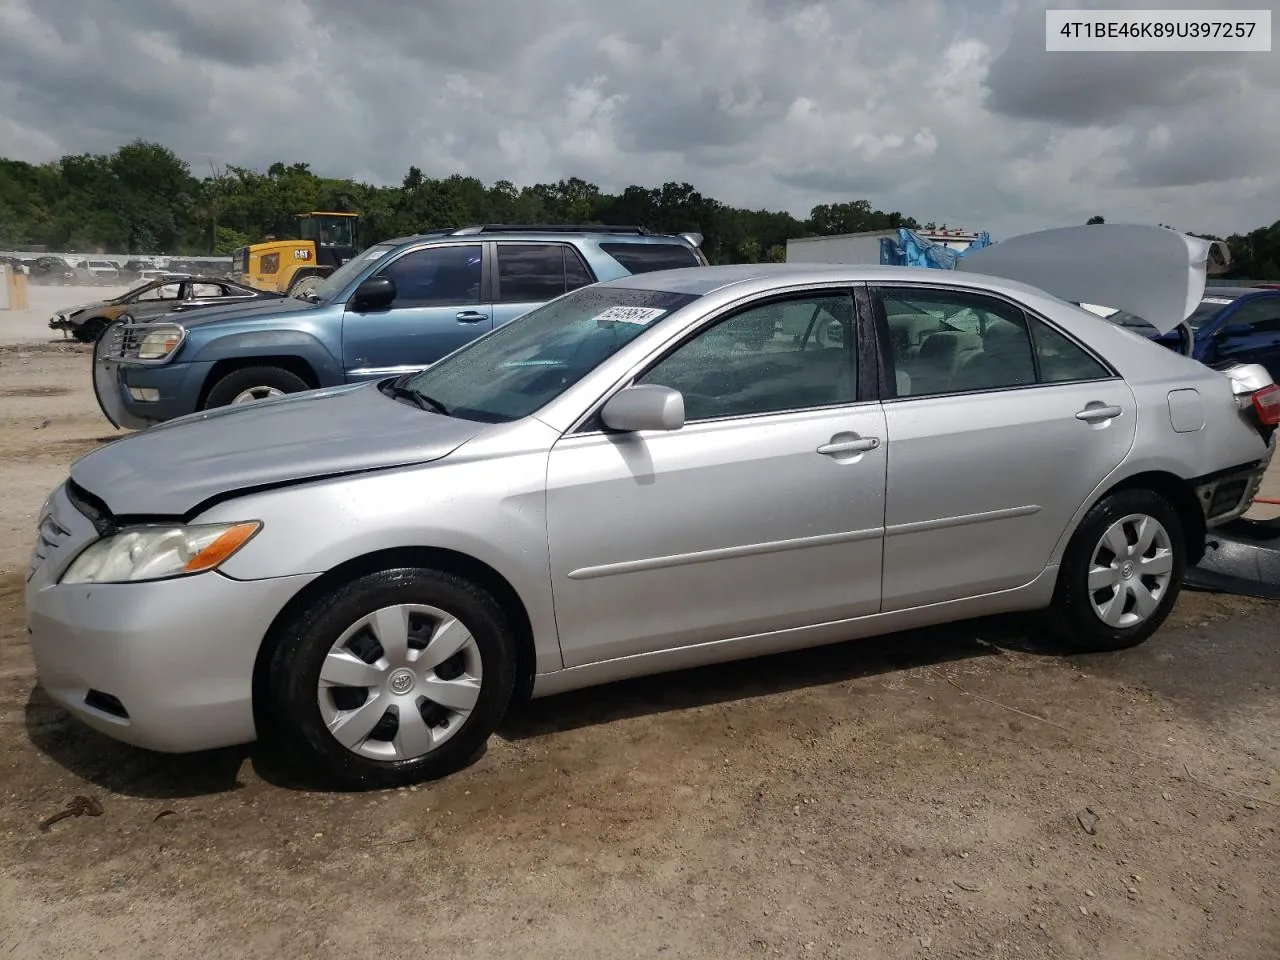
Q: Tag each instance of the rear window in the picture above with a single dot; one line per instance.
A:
(646, 257)
(1209, 308)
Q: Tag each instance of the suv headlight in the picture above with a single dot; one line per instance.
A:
(159, 343)
(156, 552)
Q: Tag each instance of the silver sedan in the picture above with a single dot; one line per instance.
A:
(668, 470)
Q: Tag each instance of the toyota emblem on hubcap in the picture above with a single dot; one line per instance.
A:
(402, 681)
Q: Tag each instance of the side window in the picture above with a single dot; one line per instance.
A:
(1262, 315)
(200, 291)
(166, 291)
(436, 276)
(1061, 360)
(644, 257)
(530, 272)
(756, 361)
(947, 341)
(576, 273)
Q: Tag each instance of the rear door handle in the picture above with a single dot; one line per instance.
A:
(1099, 413)
(836, 448)
(471, 316)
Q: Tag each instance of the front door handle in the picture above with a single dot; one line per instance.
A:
(838, 447)
(471, 316)
(1098, 413)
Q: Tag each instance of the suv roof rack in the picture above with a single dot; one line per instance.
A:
(548, 228)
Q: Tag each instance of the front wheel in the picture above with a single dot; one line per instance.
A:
(397, 677)
(91, 330)
(1121, 572)
(253, 383)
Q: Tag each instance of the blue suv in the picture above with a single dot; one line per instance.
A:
(396, 307)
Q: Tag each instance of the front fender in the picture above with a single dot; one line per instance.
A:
(491, 510)
(247, 344)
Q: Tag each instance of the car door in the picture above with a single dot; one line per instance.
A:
(159, 300)
(999, 428)
(527, 275)
(438, 308)
(762, 513)
(1251, 334)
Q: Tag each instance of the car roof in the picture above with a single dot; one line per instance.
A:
(1234, 292)
(700, 281)
(543, 233)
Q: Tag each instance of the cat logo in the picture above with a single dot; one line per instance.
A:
(302, 254)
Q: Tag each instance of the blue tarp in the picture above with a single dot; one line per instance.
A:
(913, 250)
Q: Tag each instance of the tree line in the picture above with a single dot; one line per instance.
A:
(144, 199)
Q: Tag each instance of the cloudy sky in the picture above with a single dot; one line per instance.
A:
(944, 109)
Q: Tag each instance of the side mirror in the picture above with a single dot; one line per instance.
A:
(646, 407)
(1235, 330)
(374, 293)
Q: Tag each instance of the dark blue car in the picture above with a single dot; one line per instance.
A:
(1231, 324)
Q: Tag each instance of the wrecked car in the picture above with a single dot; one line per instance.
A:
(155, 296)
(642, 475)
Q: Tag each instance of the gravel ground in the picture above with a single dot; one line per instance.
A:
(949, 793)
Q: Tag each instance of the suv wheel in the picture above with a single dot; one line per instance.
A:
(253, 383)
(397, 677)
(1121, 572)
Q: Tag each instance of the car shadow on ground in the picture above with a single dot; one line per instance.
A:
(130, 771)
(776, 673)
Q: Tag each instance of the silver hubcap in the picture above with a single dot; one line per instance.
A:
(399, 682)
(257, 393)
(1131, 569)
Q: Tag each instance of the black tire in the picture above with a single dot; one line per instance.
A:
(298, 731)
(91, 331)
(237, 382)
(1071, 617)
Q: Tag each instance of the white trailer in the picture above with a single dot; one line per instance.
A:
(839, 248)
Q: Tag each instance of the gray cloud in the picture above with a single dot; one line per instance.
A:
(944, 109)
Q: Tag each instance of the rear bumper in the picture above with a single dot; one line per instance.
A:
(1228, 494)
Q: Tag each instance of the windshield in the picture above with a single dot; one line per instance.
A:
(525, 364)
(334, 283)
(1209, 308)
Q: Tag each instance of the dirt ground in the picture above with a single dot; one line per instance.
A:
(943, 794)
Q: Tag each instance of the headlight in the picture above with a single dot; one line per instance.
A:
(151, 553)
(160, 343)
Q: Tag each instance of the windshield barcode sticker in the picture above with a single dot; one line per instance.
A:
(1222, 300)
(640, 315)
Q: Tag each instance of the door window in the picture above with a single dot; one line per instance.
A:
(576, 273)
(1061, 360)
(537, 272)
(787, 355)
(946, 341)
(166, 291)
(436, 276)
(1262, 315)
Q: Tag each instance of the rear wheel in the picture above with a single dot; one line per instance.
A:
(1121, 572)
(397, 677)
(253, 383)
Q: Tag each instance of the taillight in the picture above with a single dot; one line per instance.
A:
(1266, 403)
